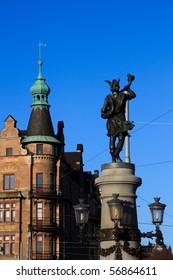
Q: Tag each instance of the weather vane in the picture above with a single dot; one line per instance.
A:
(40, 45)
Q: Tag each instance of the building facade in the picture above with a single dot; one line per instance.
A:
(39, 185)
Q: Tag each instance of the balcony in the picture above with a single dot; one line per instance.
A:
(45, 225)
(45, 191)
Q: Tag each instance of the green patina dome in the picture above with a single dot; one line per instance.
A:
(40, 87)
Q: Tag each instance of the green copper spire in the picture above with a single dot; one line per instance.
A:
(40, 128)
(40, 123)
(40, 90)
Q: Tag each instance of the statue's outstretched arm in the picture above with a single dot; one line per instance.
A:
(131, 94)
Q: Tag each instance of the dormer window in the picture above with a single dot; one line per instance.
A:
(9, 152)
(39, 149)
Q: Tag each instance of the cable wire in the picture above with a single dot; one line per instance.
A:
(153, 120)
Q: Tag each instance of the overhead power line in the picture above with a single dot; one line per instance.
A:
(134, 131)
(152, 121)
(155, 163)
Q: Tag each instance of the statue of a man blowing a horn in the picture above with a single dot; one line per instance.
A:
(114, 111)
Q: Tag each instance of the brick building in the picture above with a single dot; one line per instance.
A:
(39, 185)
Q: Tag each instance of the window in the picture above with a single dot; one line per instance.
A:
(7, 244)
(39, 244)
(13, 215)
(39, 149)
(7, 212)
(9, 152)
(12, 247)
(6, 238)
(6, 216)
(7, 205)
(13, 237)
(6, 247)
(51, 180)
(9, 182)
(39, 211)
(12, 244)
(39, 180)
(54, 150)
(1, 215)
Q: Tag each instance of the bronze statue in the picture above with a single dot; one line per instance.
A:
(114, 111)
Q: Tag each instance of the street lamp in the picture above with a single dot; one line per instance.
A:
(157, 213)
(81, 215)
(116, 212)
(115, 209)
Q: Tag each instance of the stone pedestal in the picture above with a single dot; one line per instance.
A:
(119, 178)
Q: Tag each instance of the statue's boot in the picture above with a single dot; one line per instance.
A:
(112, 152)
(112, 148)
(119, 149)
(118, 159)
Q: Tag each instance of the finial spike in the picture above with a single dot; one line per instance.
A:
(40, 44)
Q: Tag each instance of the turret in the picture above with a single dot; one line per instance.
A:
(40, 128)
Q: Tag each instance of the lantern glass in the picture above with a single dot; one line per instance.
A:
(157, 216)
(81, 216)
(115, 208)
(81, 213)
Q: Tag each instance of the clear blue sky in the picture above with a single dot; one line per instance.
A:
(88, 42)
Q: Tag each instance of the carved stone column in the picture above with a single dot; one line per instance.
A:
(119, 178)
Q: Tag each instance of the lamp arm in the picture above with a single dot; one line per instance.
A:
(158, 234)
(148, 234)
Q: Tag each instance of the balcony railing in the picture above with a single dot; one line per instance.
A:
(45, 225)
(45, 190)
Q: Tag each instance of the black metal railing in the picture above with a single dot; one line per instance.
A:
(45, 190)
(46, 224)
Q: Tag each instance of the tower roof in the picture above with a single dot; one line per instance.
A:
(40, 123)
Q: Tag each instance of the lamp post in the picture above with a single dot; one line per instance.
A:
(81, 216)
(115, 209)
(157, 213)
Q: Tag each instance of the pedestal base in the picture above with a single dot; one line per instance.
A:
(119, 178)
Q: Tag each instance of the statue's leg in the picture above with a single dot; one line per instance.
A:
(112, 147)
(119, 147)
